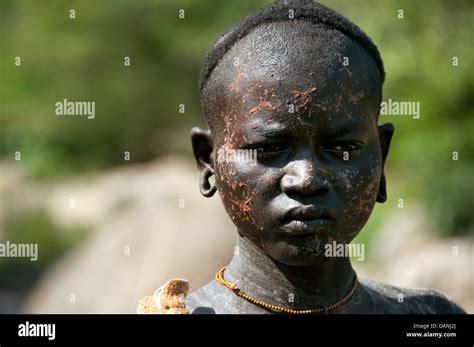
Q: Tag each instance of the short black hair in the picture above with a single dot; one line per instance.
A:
(280, 11)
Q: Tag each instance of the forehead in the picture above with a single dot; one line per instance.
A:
(318, 73)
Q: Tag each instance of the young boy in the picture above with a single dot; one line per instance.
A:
(296, 87)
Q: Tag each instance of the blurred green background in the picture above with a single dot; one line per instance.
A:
(137, 107)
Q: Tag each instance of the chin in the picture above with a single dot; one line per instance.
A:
(310, 254)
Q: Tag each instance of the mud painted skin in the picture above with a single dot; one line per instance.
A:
(319, 171)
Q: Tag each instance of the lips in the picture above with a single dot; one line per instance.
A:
(304, 220)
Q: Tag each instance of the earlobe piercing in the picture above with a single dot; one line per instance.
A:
(207, 189)
(382, 193)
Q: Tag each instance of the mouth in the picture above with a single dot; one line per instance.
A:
(306, 220)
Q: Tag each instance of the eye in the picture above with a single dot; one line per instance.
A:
(346, 147)
(268, 150)
(339, 148)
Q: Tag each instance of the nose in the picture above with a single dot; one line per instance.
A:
(305, 177)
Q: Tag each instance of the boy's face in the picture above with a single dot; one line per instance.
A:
(320, 153)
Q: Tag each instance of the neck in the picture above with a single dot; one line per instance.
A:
(261, 277)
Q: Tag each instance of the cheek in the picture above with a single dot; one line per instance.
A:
(359, 186)
(237, 188)
(360, 182)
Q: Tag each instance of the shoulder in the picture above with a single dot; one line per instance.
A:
(214, 298)
(205, 299)
(387, 298)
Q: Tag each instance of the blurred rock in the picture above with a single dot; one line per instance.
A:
(145, 237)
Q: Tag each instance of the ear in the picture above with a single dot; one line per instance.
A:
(201, 140)
(385, 136)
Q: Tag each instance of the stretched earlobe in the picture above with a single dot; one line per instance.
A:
(207, 188)
(382, 195)
(385, 135)
(201, 141)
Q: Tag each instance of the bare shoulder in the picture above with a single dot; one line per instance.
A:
(386, 298)
(212, 298)
(202, 301)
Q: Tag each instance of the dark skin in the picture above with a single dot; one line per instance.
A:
(320, 166)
